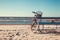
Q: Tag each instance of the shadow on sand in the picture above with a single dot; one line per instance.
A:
(48, 31)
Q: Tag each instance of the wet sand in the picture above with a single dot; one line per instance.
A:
(23, 32)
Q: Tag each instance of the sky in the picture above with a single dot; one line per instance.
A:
(24, 8)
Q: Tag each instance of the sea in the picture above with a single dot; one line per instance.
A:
(16, 20)
(20, 20)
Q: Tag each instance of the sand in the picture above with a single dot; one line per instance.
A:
(23, 32)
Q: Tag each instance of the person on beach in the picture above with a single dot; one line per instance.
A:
(52, 21)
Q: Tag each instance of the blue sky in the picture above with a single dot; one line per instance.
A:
(50, 8)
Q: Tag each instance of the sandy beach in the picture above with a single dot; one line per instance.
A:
(23, 32)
